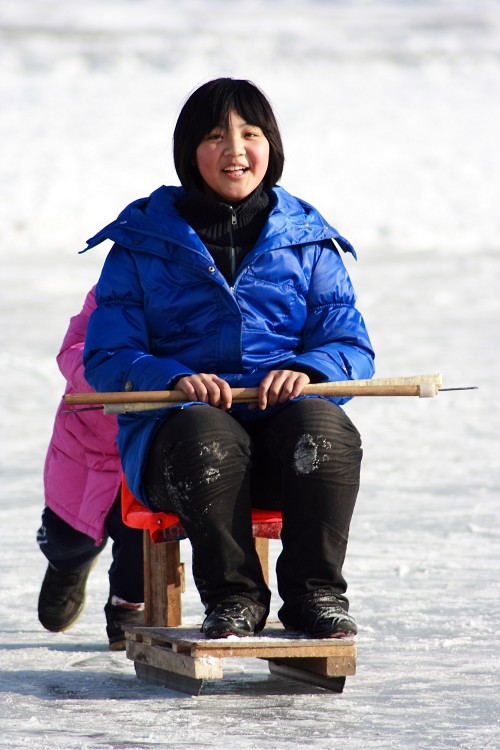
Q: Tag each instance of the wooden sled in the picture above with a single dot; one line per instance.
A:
(180, 658)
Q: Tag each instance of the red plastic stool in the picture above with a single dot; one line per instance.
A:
(163, 569)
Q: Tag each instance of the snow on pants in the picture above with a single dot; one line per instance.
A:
(69, 550)
(211, 469)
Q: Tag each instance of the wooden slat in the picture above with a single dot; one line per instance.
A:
(208, 668)
(262, 547)
(163, 583)
(340, 664)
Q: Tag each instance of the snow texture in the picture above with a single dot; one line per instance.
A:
(390, 114)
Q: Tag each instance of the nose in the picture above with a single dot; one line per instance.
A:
(234, 145)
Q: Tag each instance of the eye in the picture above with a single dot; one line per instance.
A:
(254, 132)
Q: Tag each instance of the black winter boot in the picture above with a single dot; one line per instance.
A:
(319, 614)
(62, 598)
(234, 616)
(117, 617)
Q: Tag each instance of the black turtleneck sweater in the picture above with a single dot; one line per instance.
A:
(228, 231)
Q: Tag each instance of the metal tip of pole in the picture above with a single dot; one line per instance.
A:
(462, 388)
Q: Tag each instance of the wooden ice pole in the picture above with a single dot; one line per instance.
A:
(423, 386)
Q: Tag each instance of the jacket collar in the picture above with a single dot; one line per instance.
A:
(292, 221)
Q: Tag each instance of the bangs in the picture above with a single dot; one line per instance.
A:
(245, 101)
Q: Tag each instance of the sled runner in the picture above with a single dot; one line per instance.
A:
(180, 658)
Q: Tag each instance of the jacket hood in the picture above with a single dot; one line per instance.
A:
(292, 221)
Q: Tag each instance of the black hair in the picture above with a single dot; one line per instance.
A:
(209, 107)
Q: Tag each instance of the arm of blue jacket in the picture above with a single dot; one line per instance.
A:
(335, 340)
(116, 353)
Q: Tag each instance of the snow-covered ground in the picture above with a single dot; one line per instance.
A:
(390, 114)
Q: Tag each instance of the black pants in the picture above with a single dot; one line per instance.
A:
(210, 470)
(69, 550)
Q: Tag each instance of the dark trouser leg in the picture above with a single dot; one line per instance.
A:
(199, 467)
(69, 551)
(66, 549)
(70, 554)
(126, 573)
(317, 452)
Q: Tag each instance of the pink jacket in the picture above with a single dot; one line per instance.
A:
(82, 472)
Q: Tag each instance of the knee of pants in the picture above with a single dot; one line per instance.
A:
(318, 437)
(198, 453)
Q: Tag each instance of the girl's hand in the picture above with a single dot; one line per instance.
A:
(279, 386)
(208, 388)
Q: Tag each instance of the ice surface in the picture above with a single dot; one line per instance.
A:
(390, 114)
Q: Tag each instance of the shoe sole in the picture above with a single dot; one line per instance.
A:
(67, 625)
(228, 634)
(338, 634)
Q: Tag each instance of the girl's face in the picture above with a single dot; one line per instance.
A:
(233, 161)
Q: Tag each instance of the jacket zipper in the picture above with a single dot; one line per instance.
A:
(232, 226)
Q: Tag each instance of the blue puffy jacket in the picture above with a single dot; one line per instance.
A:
(164, 310)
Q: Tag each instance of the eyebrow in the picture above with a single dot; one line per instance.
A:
(241, 126)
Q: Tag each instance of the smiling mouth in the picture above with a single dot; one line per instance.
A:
(235, 170)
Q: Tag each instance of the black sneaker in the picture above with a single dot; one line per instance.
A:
(62, 598)
(320, 614)
(116, 618)
(234, 616)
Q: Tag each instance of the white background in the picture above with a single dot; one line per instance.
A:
(390, 113)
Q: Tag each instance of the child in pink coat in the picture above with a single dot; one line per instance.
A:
(82, 480)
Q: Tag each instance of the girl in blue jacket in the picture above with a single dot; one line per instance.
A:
(231, 281)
